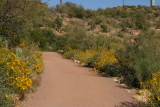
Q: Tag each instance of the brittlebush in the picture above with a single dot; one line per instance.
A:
(105, 57)
(102, 59)
(19, 70)
(85, 56)
(153, 86)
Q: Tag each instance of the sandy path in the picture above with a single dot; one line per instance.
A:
(66, 84)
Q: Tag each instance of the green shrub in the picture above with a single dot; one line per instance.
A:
(146, 55)
(152, 87)
(86, 56)
(157, 25)
(58, 22)
(19, 68)
(105, 28)
(141, 23)
(44, 37)
(126, 70)
(141, 58)
(73, 10)
(70, 53)
(76, 40)
(89, 13)
(120, 34)
(141, 20)
(92, 25)
(128, 23)
(117, 13)
(106, 62)
(5, 100)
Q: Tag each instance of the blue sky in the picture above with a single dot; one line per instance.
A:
(95, 4)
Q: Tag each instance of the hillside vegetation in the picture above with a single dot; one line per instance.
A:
(20, 59)
(121, 41)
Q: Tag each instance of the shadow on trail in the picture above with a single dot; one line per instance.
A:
(127, 104)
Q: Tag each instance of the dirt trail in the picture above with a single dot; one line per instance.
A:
(67, 84)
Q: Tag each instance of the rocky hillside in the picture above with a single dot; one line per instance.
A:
(120, 22)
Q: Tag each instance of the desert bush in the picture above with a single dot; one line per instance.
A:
(146, 55)
(141, 23)
(126, 70)
(104, 27)
(16, 19)
(106, 62)
(19, 67)
(61, 42)
(120, 33)
(128, 23)
(117, 13)
(141, 20)
(58, 22)
(92, 25)
(89, 13)
(104, 41)
(100, 58)
(44, 37)
(70, 53)
(86, 56)
(140, 60)
(152, 87)
(73, 10)
(76, 40)
(157, 24)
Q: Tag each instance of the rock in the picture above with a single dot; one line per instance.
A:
(142, 95)
(76, 61)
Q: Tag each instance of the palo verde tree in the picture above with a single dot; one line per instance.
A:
(18, 16)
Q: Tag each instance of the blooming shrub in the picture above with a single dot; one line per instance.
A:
(153, 86)
(102, 59)
(18, 69)
(86, 56)
(70, 53)
(105, 57)
(107, 63)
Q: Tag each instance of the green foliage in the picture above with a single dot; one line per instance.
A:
(126, 70)
(58, 23)
(98, 20)
(140, 20)
(116, 12)
(146, 55)
(5, 101)
(152, 87)
(19, 68)
(128, 23)
(105, 28)
(44, 37)
(73, 10)
(141, 23)
(140, 60)
(157, 25)
(92, 25)
(76, 40)
(89, 13)
(16, 19)
(120, 34)
(70, 53)
(100, 58)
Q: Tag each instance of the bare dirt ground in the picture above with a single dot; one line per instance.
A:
(67, 84)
